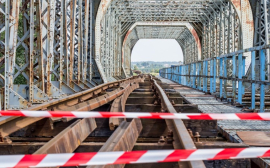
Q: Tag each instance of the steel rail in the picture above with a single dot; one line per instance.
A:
(125, 136)
(119, 103)
(179, 127)
(13, 124)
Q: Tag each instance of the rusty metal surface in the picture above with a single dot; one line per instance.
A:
(177, 126)
(119, 103)
(217, 144)
(78, 97)
(70, 138)
(15, 124)
(255, 138)
(123, 139)
(31, 147)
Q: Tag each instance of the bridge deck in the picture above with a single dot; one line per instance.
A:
(228, 128)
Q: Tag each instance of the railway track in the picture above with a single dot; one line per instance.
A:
(137, 94)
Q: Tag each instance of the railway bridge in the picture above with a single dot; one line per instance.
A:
(75, 55)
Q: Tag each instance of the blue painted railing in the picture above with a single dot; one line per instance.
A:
(196, 75)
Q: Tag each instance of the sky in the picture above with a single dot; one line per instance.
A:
(157, 50)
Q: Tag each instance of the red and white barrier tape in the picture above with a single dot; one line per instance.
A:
(186, 116)
(151, 156)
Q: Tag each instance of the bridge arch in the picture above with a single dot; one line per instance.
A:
(233, 18)
(179, 31)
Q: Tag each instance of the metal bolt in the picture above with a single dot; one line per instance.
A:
(162, 139)
(190, 133)
(197, 137)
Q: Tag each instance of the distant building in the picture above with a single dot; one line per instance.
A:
(166, 65)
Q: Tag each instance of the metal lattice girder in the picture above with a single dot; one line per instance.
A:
(221, 25)
(45, 49)
(162, 30)
(50, 47)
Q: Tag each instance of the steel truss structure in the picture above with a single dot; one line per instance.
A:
(49, 49)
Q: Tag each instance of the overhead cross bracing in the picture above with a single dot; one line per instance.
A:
(221, 26)
(163, 10)
(183, 33)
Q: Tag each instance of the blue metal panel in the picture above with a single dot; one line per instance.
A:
(180, 73)
(199, 78)
(194, 73)
(262, 78)
(243, 73)
(234, 76)
(206, 74)
(253, 61)
(204, 85)
(190, 73)
(215, 74)
(240, 71)
(211, 74)
(225, 75)
(220, 75)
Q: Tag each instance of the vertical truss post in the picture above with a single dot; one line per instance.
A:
(240, 71)
(11, 31)
(91, 41)
(262, 78)
(253, 89)
(40, 47)
(80, 54)
(72, 40)
(63, 43)
(220, 79)
(85, 35)
(50, 41)
(32, 54)
(7, 51)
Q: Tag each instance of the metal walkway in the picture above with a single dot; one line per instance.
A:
(228, 128)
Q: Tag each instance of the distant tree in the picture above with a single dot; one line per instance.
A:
(145, 64)
(136, 67)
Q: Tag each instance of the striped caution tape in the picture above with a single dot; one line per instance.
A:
(151, 156)
(187, 116)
